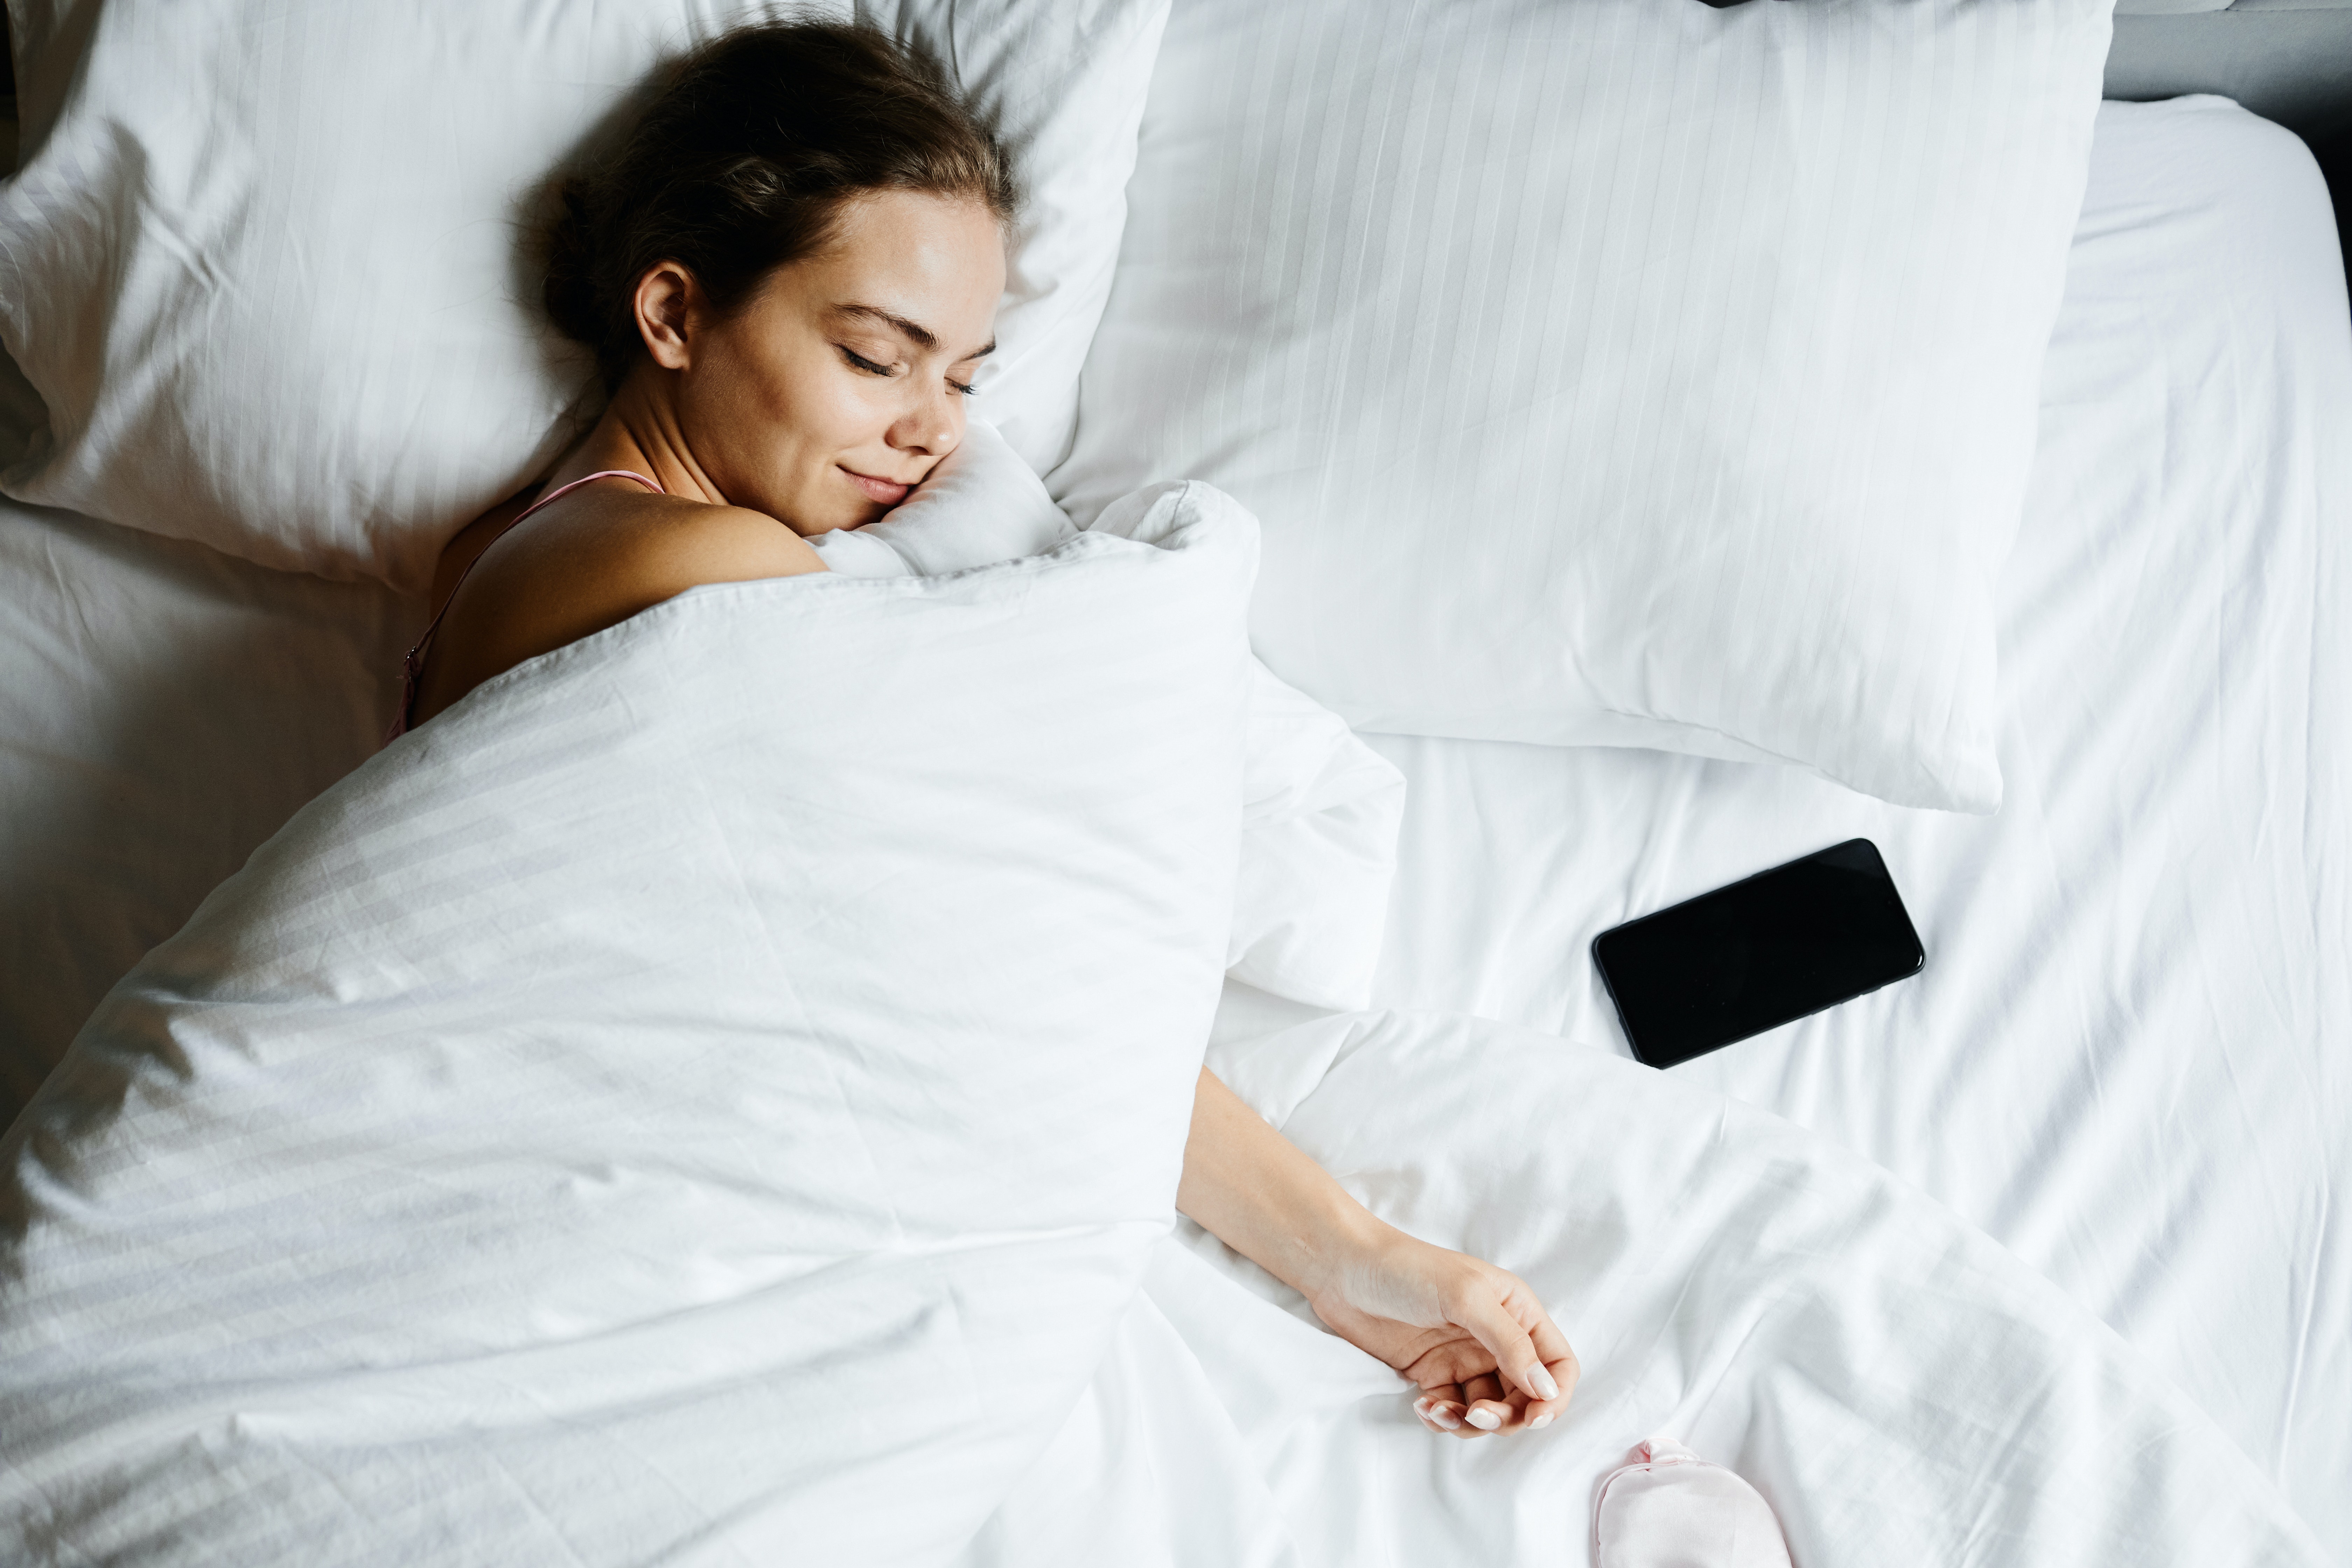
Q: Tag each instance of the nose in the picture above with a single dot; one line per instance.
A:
(929, 427)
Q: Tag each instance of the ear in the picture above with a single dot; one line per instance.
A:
(665, 296)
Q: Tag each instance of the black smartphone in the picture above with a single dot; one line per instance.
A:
(1758, 953)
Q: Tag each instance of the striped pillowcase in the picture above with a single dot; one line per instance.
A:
(1623, 373)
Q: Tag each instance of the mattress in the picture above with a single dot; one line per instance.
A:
(2127, 1057)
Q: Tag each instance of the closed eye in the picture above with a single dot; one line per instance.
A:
(963, 389)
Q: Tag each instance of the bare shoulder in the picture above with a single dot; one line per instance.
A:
(670, 545)
(591, 562)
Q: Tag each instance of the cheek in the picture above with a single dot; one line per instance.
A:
(809, 418)
(773, 423)
(835, 409)
(813, 412)
(791, 398)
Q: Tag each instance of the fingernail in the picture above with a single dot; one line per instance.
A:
(1539, 1423)
(1484, 1420)
(1540, 1382)
(1444, 1417)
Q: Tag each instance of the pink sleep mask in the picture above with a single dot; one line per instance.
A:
(1667, 1508)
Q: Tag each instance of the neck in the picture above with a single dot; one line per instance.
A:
(640, 431)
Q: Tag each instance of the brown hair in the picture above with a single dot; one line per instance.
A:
(739, 165)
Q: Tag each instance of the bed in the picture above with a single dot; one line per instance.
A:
(2123, 1064)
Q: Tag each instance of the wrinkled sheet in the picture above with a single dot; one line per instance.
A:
(708, 1096)
(2129, 1057)
(1898, 1386)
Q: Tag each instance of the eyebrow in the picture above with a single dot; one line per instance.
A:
(915, 331)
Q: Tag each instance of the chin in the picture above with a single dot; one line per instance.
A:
(810, 515)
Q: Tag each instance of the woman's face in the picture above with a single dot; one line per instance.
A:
(840, 384)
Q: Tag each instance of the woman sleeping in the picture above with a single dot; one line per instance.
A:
(789, 275)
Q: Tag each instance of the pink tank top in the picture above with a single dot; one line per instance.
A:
(412, 663)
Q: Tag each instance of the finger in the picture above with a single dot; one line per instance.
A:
(1458, 1358)
(1544, 1412)
(1489, 1416)
(1441, 1408)
(1557, 1358)
(1441, 1368)
(1488, 1410)
(1509, 1410)
(1549, 1343)
(1480, 1311)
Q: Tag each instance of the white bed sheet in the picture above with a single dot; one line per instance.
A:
(1900, 1388)
(2130, 1055)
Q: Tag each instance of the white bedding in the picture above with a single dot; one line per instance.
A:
(1901, 1389)
(174, 705)
(1615, 373)
(708, 1097)
(714, 1094)
(164, 709)
(2129, 1057)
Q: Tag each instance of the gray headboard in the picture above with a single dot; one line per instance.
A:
(2288, 60)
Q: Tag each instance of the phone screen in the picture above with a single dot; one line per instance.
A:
(1758, 953)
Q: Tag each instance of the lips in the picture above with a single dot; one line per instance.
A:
(887, 492)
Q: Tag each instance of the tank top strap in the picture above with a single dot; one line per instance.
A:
(412, 663)
(560, 491)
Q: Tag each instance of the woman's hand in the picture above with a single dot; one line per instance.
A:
(1486, 1355)
(1476, 1340)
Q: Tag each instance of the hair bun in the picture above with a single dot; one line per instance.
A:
(569, 292)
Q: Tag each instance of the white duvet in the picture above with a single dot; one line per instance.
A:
(706, 1097)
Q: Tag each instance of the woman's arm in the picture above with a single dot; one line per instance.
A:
(1472, 1336)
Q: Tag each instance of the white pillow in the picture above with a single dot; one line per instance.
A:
(1627, 371)
(982, 505)
(1320, 809)
(264, 263)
